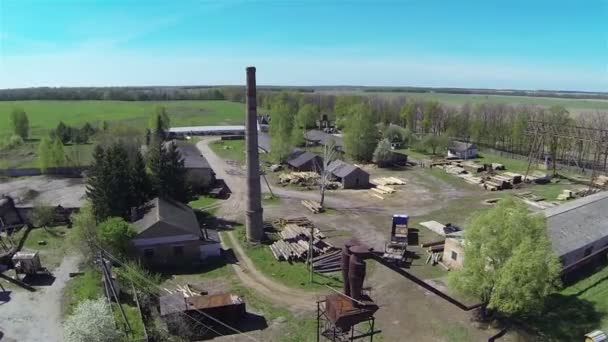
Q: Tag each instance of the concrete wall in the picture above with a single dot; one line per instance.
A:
(453, 253)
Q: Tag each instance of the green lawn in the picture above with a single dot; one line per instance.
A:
(576, 310)
(134, 318)
(44, 115)
(230, 149)
(573, 105)
(54, 250)
(202, 202)
(294, 275)
(80, 288)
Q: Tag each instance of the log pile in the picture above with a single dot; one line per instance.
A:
(300, 178)
(387, 181)
(294, 242)
(327, 263)
(313, 206)
(300, 221)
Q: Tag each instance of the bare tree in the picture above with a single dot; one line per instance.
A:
(329, 155)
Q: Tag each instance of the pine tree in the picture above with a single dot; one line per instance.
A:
(173, 182)
(119, 181)
(154, 161)
(141, 188)
(97, 184)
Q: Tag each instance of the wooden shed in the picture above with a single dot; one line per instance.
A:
(350, 176)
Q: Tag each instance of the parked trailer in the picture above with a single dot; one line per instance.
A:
(395, 250)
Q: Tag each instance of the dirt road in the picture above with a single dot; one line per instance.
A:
(33, 317)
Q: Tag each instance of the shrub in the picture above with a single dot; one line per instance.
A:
(91, 321)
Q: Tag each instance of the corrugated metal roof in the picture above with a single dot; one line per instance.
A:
(193, 159)
(176, 216)
(297, 158)
(203, 129)
(578, 223)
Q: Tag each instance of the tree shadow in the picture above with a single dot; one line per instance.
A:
(5, 297)
(565, 318)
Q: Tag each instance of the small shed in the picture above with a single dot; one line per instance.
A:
(462, 150)
(351, 177)
(453, 252)
(300, 160)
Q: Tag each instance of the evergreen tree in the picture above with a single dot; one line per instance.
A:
(173, 182)
(96, 189)
(63, 132)
(119, 182)
(140, 182)
(154, 161)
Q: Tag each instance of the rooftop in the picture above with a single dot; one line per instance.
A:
(193, 159)
(460, 146)
(176, 217)
(341, 169)
(323, 138)
(578, 223)
(206, 129)
(298, 158)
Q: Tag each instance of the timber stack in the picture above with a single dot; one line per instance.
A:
(294, 241)
(327, 263)
(313, 206)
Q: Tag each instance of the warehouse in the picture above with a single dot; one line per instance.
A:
(350, 176)
(300, 160)
(198, 171)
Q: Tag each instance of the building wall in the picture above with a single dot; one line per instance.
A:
(356, 180)
(576, 255)
(200, 178)
(165, 254)
(472, 153)
(453, 253)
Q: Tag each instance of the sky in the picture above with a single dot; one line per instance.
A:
(515, 44)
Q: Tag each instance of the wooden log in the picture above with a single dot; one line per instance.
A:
(432, 243)
(437, 248)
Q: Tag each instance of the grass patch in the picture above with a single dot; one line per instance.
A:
(134, 318)
(269, 200)
(202, 202)
(454, 332)
(294, 275)
(80, 288)
(54, 250)
(229, 149)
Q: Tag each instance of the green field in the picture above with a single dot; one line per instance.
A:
(44, 115)
(573, 105)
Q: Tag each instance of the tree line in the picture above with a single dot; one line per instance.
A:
(428, 125)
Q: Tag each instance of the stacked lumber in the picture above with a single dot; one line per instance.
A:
(515, 178)
(454, 169)
(314, 206)
(326, 263)
(295, 240)
(387, 181)
(601, 180)
(300, 221)
(300, 178)
(498, 166)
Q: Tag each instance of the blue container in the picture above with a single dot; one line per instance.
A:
(400, 220)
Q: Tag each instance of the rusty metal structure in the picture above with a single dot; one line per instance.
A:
(254, 224)
(584, 140)
(348, 315)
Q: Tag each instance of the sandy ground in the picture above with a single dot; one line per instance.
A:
(36, 316)
(67, 192)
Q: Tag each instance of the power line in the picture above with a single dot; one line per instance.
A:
(201, 312)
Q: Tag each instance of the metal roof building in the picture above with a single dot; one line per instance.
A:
(208, 130)
(579, 228)
(349, 175)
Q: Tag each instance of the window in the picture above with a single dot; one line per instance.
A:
(178, 250)
(148, 252)
(454, 255)
(588, 251)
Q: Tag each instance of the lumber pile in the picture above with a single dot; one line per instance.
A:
(314, 206)
(601, 181)
(565, 195)
(387, 181)
(300, 178)
(454, 169)
(300, 221)
(515, 178)
(326, 263)
(295, 241)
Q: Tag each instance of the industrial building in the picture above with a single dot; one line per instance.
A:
(198, 171)
(175, 132)
(168, 234)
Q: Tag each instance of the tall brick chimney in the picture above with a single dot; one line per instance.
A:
(253, 216)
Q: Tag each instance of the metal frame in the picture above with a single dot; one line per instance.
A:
(327, 331)
(541, 131)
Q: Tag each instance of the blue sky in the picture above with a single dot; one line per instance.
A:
(439, 43)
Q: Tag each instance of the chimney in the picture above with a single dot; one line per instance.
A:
(253, 216)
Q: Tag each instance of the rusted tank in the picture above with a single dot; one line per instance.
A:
(345, 266)
(356, 276)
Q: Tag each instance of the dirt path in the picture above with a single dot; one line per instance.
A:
(36, 316)
(276, 292)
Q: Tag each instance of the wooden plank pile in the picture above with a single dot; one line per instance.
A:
(300, 221)
(294, 242)
(314, 206)
(326, 263)
(299, 178)
(387, 181)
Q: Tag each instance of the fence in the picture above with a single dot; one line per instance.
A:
(75, 172)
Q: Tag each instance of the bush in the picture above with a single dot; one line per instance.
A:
(14, 141)
(115, 233)
(43, 215)
(91, 321)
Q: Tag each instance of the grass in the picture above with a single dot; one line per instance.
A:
(454, 332)
(294, 275)
(202, 202)
(53, 251)
(133, 316)
(573, 105)
(45, 114)
(80, 288)
(269, 200)
(575, 310)
(229, 149)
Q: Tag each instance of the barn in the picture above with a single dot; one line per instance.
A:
(299, 160)
(351, 177)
